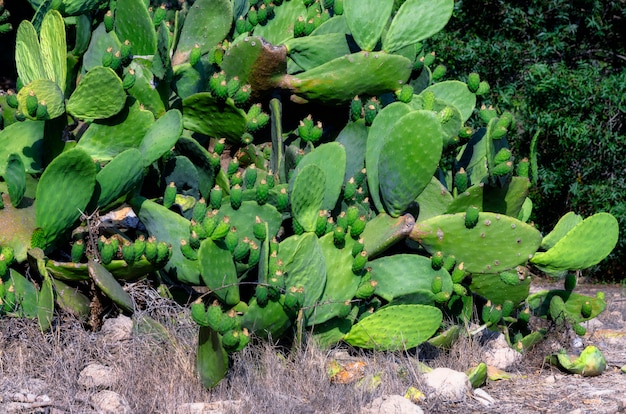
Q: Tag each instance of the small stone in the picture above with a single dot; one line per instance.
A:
(117, 329)
(448, 383)
(96, 376)
(483, 397)
(110, 402)
(499, 354)
(392, 404)
(216, 407)
(550, 379)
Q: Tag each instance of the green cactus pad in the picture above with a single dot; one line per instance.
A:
(118, 177)
(495, 244)
(169, 227)
(280, 28)
(99, 42)
(46, 91)
(103, 140)
(99, 94)
(28, 57)
(406, 274)
(243, 219)
(540, 304)
(589, 363)
(45, 304)
(408, 159)
(564, 225)
(15, 178)
(201, 160)
(161, 136)
(341, 283)
(17, 226)
(307, 195)
(133, 22)
(211, 358)
(63, 192)
(472, 197)
(204, 114)
(367, 20)
(143, 88)
(303, 263)
(491, 287)
(434, 200)
(395, 328)
(331, 158)
(585, 245)
(311, 51)
(341, 79)
(107, 283)
(74, 272)
(456, 94)
(218, 271)
(507, 199)
(416, 20)
(329, 333)
(25, 295)
(353, 137)
(53, 48)
(70, 7)
(214, 14)
(378, 132)
(269, 321)
(383, 231)
(71, 300)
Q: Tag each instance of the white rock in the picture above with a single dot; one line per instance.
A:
(97, 376)
(448, 384)
(117, 329)
(483, 397)
(392, 404)
(499, 354)
(216, 407)
(109, 402)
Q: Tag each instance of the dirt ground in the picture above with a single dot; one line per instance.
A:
(39, 372)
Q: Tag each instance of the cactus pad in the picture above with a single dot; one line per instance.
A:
(218, 271)
(495, 244)
(133, 22)
(563, 226)
(53, 48)
(585, 245)
(107, 283)
(367, 20)
(205, 114)
(307, 196)
(46, 91)
(211, 358)
(100, 94)
(161, 136)
(408, 159)
(491, 287)
(395, 328)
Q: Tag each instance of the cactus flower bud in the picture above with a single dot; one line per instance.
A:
(473, 82)
(108, 21)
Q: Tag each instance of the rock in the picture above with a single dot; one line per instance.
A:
(448, 383)
(117, 329)
(499, 354)
(216, 407)
(97, 376)
(483, 397)
(392, 404)
(109, 402)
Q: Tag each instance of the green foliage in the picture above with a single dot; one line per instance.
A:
(276, 176)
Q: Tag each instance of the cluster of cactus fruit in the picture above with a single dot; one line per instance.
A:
(303, 160)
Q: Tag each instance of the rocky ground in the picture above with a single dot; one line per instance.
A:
(135, 366)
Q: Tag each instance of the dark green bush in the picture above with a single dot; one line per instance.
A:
(560, 67)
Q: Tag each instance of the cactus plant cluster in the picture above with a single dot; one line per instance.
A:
(303, 162)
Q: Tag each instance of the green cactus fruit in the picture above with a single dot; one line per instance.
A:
(510, 278)
(282, 200)
(436, 284)
(107, 57)
(255, 254)
(524, 315)
(356, 109)
(503, 155)
(262, 295)
(187, 250)
(461, 180)
(320, 224)
(473, 82)
(215, 197)
(438, 73)
(459, 289)
(129, 79)
(31, 103)
(370, 110)
(570, 281)
(259, 229)
(366, 289)
(170, 195)
(150, 251)
(250, 176)
(231, 240)
(42, 111)
(357, 227)
(198, 313)
(78, 250)
(236, 196)
(294, 298)
(242, 250)
(507, 308)
(483, 88)
(586, 310)
(241, 25)
(436, 261)
(139, 246)
(11, 99)
(221, 229)
(497, 132)
(233, 167)
(405, 93)
(214, 315)
(230, 340)
(128, 252)
(359, 262)
(471, 217)
(442, 297)
(466, 132)
(358, 247)
(523, 168)
(262, 192)
(339, 237)
(108, 21)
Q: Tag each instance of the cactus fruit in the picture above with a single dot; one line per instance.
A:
(472, 215)
(473, 82)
